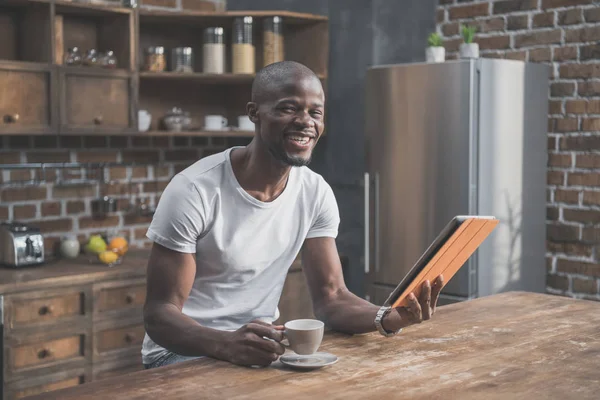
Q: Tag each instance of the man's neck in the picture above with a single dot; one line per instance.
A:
(259, 174)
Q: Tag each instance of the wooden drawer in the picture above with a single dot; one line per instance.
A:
(120, 338)
(25, 105)
(37, 310)
(114, 298)
(96, 103)
(47, 383)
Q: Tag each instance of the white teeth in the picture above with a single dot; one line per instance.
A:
(300, 139)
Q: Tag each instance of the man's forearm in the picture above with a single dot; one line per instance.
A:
(171, 329)
(348, 313)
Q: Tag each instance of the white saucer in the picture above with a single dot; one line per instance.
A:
(312, 361)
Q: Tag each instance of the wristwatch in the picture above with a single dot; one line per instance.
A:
(383, 311)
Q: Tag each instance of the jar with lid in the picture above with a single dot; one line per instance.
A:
(242, 46)
(213, 51)
(73, 57)
(91, 59)
(272, 40)
(109, 60)
(154, 59)
(182, 59)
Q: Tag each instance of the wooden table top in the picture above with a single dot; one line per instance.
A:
(509, 346)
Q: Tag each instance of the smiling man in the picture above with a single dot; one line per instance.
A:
(227, 229)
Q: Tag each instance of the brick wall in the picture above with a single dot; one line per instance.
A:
(60, 208)
(566, 35)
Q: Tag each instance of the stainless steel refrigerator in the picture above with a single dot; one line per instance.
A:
(456, 138)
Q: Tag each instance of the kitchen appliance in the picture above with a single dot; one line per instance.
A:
(20, 245)
(462, 137)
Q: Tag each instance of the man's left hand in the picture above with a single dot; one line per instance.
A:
(417, 310)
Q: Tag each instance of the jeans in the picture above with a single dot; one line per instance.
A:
(168, 359)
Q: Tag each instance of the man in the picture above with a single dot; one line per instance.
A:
(228, 227)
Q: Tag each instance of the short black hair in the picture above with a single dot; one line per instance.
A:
(274, 73)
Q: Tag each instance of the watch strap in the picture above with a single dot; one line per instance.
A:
(381, 313)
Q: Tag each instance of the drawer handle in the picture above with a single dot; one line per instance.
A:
(130, 338)
(44, 353)
(46, 310)
(98, 120)
(11, 119)
(129, 299)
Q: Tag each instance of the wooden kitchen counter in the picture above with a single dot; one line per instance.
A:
(510, 346)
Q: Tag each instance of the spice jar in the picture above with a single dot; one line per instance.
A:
(213, 51)
(91, 58)
(272, 40)
(154, 59)
(109, 60)
(242, 47)
(182, 59)
(73, 57)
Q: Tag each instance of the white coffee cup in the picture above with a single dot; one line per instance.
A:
(215, 122)
(144, 120)
(304, 335)
(244, 123)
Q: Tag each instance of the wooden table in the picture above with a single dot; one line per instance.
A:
(509, 346)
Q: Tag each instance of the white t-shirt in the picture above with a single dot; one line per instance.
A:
(244, 247)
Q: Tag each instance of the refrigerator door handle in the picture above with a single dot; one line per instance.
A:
(377, 228)
(367, 209)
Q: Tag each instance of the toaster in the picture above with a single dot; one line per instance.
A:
(20, 245)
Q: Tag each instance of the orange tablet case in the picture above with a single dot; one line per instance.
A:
(450, 257)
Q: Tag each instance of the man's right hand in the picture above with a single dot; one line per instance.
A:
(248, 346)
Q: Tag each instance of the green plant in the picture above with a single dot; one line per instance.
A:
(435, 40)
(468, 33)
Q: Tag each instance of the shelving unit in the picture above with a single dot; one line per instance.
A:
(43, 96)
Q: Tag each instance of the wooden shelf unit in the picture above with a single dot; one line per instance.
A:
(43, 96)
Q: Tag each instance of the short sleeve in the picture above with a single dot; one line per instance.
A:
(327, 220)
(180, 216)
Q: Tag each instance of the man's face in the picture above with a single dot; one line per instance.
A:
(291, 121)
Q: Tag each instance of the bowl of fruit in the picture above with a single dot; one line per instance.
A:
(111, 253)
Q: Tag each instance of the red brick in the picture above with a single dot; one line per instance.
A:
(154, 186)
(440, 16)
(45, 142)
(570, 249)
(558, 232)
(543, 20)
(581, 143)
(51, 244)
(538, 38)
(585, 216)
(589, 286)
(97, 156)
(583, 179)
(27, 211)
(198, 5)
(589, 88)
(451, 45)
(562, 89)
(591, 198)
(517, 22)
(162, 172)
(141, 141)
(579, 70)
(592, 14)
(451, 29)
(121, 189)
(591, 161)
(493, 42)
(516, 55)
(119, 142)
(19, 142)
(489, 25)
(555, 107)
(540, 55)
(73, 191)
(565, 53)
(589, 52)
(591, 235)
(508, 6)
(593, 107)
(578, 267)
(552, 213)
(20, 175)
(23, 194)
(555, 177)
(117, 173)
(162, 142)
(181, 155)
(75, 207)
(90, 222)
(12, 157)
(132, 219)
(576, 106)
(70, 142)
(55, 225)
(468, 11)
(140, 233)
(559, 160)
(590, 124)
(566, 196)
(589, 34)
(48, 157)
(140, 156)
(50, 208)
(139, 172)
(570, 17)
(563, 3)
(566, 125)
(488, 54)
(557, 282)
(3, 212)
(552, 143)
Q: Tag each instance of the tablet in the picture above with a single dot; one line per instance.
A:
(445, 256)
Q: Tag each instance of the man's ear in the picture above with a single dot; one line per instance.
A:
(252, 110)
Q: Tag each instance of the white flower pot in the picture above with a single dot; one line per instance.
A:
(469, 50)
(435, 54)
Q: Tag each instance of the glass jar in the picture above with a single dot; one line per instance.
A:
(242, 46)
(109, 60)
(272, 40)
(213, 51)
(91, 58)
(182, 59)
(177, 120)
(73, 57)
(154, 59)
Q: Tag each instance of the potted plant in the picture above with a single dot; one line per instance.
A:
(435, 52)
(468, 49)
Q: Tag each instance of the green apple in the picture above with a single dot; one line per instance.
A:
(95, 245)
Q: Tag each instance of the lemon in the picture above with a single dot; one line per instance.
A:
(108, 257)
